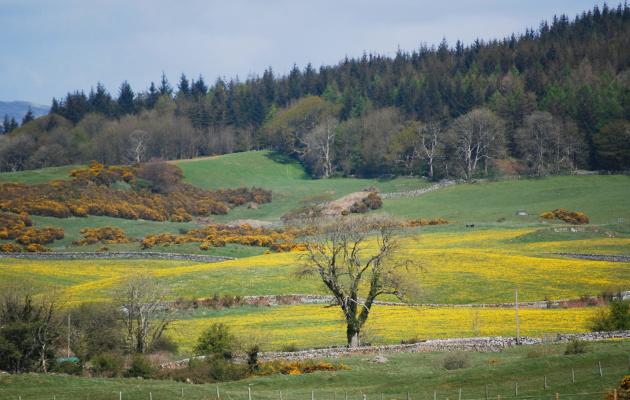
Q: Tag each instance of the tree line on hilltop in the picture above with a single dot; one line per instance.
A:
(548, 101)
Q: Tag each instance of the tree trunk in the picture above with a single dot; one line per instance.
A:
(353, 336)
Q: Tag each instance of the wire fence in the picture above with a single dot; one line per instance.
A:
(581, 384)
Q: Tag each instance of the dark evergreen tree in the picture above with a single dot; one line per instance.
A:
(28, 117)
(183, 87)
(165, 87)
(198, 88)
(126, 100)
(101, 101)
(152, 96)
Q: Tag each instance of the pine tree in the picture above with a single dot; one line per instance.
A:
(5, 124)
(54, 108)
(183, 88)
(199, 88)
(165, 87)
(28, 117)
(101, 101)
(152, 96)
(125, 100)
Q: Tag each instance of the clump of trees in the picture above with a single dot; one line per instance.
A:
(615, 318)
(111, 337)
(548, 100)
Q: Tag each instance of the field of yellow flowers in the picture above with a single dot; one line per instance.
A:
(482, 266)
(306, 326)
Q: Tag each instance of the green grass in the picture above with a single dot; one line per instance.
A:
(38, 175)
(419, 374)
(604, 198)
(290, 185)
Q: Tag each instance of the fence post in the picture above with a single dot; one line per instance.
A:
(515, 389)
(615, 396)
(486, 391)
(119, 395)
(249, 392)
(546, 387)
(218, 394)
(557, 396)
(601, 373)
(460, 394)
(150, 396)
(435, 395)
(572, 375)
(408, 396)
(280, 394)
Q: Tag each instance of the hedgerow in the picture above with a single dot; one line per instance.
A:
(276, 239)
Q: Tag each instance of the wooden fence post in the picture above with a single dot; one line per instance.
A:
(218, 394)
(515, 389)
(601, 373)
(572, 375)
(546, 387)
(249, 392)
(460, 394)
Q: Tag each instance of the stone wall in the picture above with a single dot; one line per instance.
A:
(127, 255)
(485, 344)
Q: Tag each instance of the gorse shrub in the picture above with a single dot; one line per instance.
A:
(370, 202)
(576, 346)
(276, 239)
(140, 367)
(456, 361)
(91, 193)
(216, 342)
(108, 365)
(571, 217)
(106, 235)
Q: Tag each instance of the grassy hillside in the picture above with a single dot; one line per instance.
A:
(37, 175)
(419, 374)
(290, 185)
(604, 198)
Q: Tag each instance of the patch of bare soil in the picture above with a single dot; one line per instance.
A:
(342, 205)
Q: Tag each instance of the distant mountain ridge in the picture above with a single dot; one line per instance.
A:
(17, 109)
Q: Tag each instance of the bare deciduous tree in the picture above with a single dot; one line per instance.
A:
(357, 259)
(431, 134)
(145, 313)
(138, 145)
(318, 146)
(478, 137)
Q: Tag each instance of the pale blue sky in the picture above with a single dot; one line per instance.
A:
(48, 48)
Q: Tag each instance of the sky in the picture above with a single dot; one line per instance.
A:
(48, 48)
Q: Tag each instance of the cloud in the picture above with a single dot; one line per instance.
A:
(50, 48)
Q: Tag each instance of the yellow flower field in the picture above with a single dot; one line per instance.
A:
(483, 266)
(315, 325)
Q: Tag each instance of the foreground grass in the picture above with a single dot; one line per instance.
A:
(308, 326)
(417, 374)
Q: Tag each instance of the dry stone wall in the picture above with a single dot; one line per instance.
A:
(130, 255)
